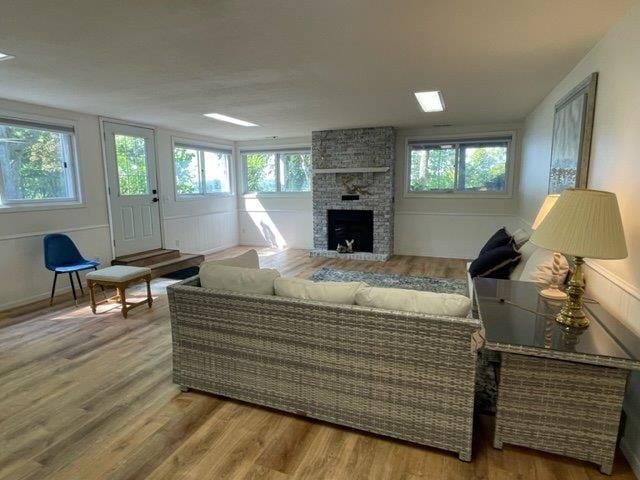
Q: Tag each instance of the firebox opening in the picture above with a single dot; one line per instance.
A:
(356, 225)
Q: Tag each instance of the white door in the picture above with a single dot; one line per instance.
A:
(133, 189)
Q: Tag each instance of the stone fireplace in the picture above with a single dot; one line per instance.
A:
(353, 183)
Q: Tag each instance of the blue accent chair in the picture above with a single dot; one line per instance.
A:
(62, 256)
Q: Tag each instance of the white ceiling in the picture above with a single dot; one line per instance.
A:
(294, 66)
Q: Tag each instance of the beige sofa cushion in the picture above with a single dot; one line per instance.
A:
(526, 250)
(238, 279)
(431, 303)
(248, 259)
(331, 292)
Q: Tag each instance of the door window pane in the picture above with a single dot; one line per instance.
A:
(484, 168)
(295, 172)
(216, 170)
(131, 158)
(260, 172)
(433, 168)
(187, 169)
(35, 164)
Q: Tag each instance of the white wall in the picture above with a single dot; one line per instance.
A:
(203, 225)
(272, 219)
(24, 277)
(614, 167)
(441, 226)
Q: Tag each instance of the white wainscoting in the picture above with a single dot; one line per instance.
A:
(25, 279)
(276, 228)
(447, 235)
(201, 233)
(622, 300)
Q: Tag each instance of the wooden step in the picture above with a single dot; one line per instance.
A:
(147, 258)
(184, 260)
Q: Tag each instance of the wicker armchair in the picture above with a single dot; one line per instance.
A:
(405, 375)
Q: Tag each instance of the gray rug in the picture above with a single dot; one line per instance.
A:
(428, 284)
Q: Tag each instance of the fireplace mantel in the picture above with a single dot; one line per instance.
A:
(351, 170)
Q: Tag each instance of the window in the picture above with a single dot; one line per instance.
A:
(277, 171)
(201, 170)
(131, 156)
(37, 163)
(459, 167)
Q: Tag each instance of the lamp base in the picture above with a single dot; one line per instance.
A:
(553, 294)
(572, 314)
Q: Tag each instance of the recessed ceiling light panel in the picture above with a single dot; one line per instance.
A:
(5, 56)
(430, 101)
(226, 118)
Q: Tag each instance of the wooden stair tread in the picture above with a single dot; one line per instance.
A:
(185, 260)
(183, 257)
(147, 258)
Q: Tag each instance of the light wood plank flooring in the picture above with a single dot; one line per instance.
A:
(90, 397)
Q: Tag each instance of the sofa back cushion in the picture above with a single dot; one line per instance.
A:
(238, 279)
(331, 292)
(248, 259)
(430, 303)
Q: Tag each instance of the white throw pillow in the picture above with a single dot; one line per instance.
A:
(538, 267)
(431, 303)
(238, 279)
(520, 237)
(331, 292)
(248, 259)
(525, 251)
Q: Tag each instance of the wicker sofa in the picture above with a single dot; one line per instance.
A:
(406, 375)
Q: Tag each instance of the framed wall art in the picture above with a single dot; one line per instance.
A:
(572, 131)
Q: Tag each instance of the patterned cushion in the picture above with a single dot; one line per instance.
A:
(496, 263)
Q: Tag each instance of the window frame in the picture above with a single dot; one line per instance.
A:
(277, 151)
(201, 146)
(458, 139)
(73, 175)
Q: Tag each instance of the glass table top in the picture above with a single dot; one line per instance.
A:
(513, 313)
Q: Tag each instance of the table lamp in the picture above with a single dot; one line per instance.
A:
(583, 224)
(552, 291)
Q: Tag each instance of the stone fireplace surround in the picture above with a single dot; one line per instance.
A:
(365, 157)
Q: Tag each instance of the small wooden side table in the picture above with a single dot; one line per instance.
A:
(120, 277)
(560, 389)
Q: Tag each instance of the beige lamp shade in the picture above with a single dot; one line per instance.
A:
(583, 223)
(547, 205)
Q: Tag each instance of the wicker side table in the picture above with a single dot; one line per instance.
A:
(560, 390)
(561, 407)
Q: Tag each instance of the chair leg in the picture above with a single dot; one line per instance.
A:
(79, 282)
(73, 288)
(92, 295)
(53, 289)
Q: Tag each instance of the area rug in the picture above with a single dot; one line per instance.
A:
(428, 284)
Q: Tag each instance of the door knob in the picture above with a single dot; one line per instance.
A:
(155, 199)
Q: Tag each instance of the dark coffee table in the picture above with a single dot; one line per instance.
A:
(560, 389)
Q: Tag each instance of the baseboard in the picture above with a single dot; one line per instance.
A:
(217, 249)
(36, 298)
(631, 457)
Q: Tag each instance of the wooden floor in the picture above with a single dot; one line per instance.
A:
(90, 396)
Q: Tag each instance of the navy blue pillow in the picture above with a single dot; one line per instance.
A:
(496, 263)
(498, 239)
